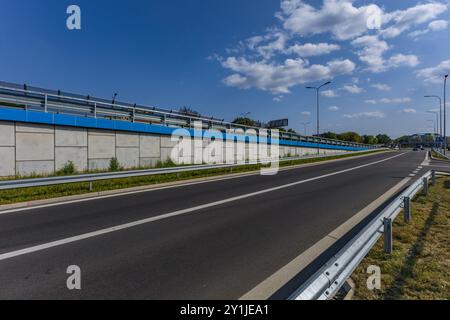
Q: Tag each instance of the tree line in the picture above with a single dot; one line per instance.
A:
(350, 136)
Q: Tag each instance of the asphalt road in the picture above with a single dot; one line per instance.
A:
(221, 240)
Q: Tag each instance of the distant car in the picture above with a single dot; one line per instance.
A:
(416, 149)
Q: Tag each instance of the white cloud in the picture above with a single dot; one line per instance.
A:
(365, 115)
(438, 25)
(275, 41)
(311, 49)
(381, 86)
(435, 74)
(371, 51)
(306, 113)
(414, 16)
(353, 89)
(279, 78)
(278, 99)
(276, 60)
(401, 60)
(329, 94)
(409, 110)
(390, 101)
(339, 17)
(333, 108)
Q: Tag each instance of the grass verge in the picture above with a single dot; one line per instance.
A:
(438, 156)
(419, 268)
(47, 192)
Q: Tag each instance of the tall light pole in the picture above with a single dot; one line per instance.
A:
(435, 113)
(445, 114)
(305, 124)
(318, 104)
(434, 126)
(440, 112)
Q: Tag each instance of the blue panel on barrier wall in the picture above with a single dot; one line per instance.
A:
(85, 122)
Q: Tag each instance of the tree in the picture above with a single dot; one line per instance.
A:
(350, 137)
(329, 135)
(384, 139)
(189, 112)
(246, 122)
(368, 139)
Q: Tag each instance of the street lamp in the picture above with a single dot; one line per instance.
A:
(436, 113)
(318, 106)
(445, 114)
(305, 124)
(440, 112)
(434, 125)
(114, 98)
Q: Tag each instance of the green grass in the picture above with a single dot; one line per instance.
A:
(438, 156)
(39, 193)
(419, 268)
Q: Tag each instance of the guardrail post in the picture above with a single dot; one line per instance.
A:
(90, 186)
(46, 104)
(433, 177)
(95, 109)
(407, 209)
(387, 235)
(425, 186)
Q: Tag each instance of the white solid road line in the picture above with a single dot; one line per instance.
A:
(61, 242)
(158, 188)
(426, 162)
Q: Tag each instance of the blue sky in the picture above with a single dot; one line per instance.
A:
(227, 57)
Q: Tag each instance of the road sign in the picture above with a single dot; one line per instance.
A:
(278, 123)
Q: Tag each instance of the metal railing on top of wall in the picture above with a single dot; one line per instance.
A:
(38, 99)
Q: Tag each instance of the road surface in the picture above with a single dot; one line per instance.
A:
(212, 240)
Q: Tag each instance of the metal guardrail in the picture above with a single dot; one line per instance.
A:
(51, 101)
(40, 182)
(326, 283)
(441, 154)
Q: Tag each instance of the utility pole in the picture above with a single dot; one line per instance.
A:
(440, 111)
(318, 107)
(445, 114)
(305, 124)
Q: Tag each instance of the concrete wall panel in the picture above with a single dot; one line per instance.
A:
(128, 157)
(26, 168)
(7, 134)
(150, 146)
(102, 147)
(127, 140)
(35, 146)
(70, 137)
(34, 128)
(99, 164)
(78, 155)
(8, 161)
(149, 162)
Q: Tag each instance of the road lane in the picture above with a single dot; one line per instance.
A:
(219, 253)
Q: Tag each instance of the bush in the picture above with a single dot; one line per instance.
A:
(68, 169)
(114, 165)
